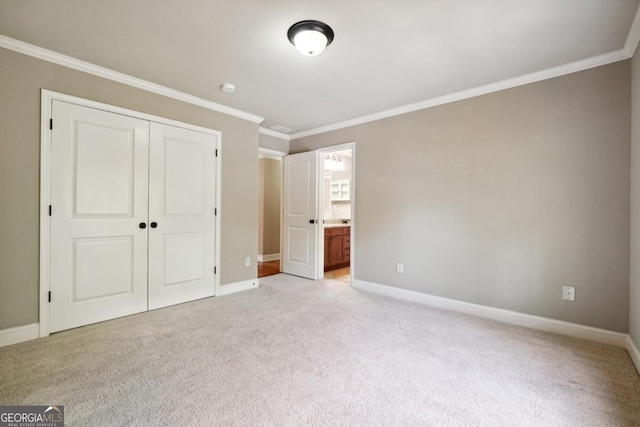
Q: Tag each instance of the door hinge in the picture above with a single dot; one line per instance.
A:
(215, 270)
(49, 210)
(49, 296)
(51, 124)
(216, 152)
(215, 211)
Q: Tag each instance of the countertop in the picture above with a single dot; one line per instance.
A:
(335, 225)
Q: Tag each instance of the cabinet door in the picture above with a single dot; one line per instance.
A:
(347, 248)
(336, 250)
(327, 260)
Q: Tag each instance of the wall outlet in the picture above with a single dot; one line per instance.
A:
(247, 261)
(400, 268)
(569, 293)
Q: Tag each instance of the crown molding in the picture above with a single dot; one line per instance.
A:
(596, 61)
(47, 55)
(275, 134)
(86, 67)
(634, 36)
(267, 153)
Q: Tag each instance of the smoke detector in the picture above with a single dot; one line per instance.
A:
(228, 87)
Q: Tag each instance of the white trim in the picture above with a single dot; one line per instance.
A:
(596, 61)
(45, 200)
(50, 95)
(634, 36)
(232, 288)
(218, 260)
(633, 352)
(76, 64)
(269, 257)
(267, 153)
(86, 67)
(575, 330)
(274, 133)
(47, 98)
(19, 334)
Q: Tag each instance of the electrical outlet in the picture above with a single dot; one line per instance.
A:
(247, 261)
(569, 293)
(400, 268)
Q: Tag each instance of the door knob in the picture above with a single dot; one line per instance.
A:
(142, 225)
(154, 224)
(312, 221)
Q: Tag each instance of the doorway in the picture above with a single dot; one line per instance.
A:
(317, 232)
(269, 211)
(336, 210)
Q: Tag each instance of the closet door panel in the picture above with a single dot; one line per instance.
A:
(99, 196)
(181, 211)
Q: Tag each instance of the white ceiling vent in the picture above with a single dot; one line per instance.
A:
(279, 128)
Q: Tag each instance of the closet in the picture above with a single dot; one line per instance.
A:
(132, 225)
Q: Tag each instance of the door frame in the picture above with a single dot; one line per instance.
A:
(267, 153)
(321, 151)
(46, 101)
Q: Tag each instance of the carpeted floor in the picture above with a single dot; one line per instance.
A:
(295, 352)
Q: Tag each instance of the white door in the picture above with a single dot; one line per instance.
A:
(300, 219)
(182, 176)
(99, 196)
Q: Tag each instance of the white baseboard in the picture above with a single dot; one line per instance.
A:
(633, 352)
(575, 330)
(19, 334)
(269, 257)
(232, 288)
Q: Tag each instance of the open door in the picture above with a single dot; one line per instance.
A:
(300, 220)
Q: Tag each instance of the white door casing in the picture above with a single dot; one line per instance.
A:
(182, 175)
(300, 219)
(99, 192)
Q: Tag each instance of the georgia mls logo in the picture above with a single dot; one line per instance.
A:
(32, 416)
(53, 408)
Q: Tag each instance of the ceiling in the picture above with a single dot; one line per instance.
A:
(385, 54)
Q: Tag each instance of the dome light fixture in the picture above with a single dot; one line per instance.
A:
(310, 37)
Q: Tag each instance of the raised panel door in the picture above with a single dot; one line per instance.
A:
(182, 174)
(300, 226)
(99, 196)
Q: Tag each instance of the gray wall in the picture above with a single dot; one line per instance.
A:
(21, 78)
(634, 297)
(502, 199)
(270, 172)
(273, 143)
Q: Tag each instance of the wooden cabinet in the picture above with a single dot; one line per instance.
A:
(337, 247)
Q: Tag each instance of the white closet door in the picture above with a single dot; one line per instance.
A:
(182, 174)
(300, 221)
(99, 196)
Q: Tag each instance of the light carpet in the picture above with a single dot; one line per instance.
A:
(296, 352)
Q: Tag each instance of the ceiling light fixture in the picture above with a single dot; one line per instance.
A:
(310, 37)
(333, 162)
